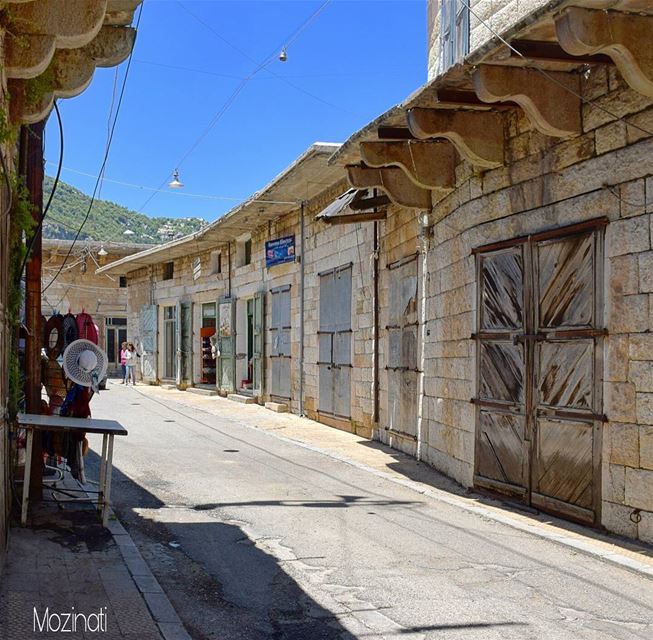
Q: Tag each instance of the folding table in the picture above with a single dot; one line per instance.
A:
(108, 429)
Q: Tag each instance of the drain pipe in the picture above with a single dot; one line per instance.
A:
(375, 322)
(301, 308)
(425, 230)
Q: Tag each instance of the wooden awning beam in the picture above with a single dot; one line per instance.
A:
(351, 218)
(429, 165)
(399, 187)
(477, 135)
(625, 38)
(551, 52)
(552, 107)
(365, 204)
(394, 133)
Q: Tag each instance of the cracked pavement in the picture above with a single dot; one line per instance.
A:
(253, 536)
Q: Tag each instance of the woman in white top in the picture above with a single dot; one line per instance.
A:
(131, 358)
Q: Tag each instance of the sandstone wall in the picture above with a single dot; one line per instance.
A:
(550, 183)
(485, 16)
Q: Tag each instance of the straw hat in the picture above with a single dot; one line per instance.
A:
(85, 363)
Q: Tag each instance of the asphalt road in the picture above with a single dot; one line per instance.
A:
(255, 537)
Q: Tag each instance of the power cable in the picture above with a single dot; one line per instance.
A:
(533, 64)
(232, 98)
(36, 234)
(289, 41)
(106, 152)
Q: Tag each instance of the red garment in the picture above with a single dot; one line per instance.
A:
(86, 328)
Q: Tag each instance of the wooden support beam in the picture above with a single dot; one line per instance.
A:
(549, 102)
(400, 189)
(351, 218)
(365, 204)
(394, 133)
(477, 135)
(429, 165)
(553, 52)
(626, 38)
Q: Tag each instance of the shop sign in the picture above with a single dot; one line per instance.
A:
(279, 251)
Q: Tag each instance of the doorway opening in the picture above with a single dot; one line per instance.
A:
(170, 343)
(115, 335)
(247, 385)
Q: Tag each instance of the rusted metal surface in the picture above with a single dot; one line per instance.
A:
(280, 354)
(334, 342)
(539, 404)
(402, 332)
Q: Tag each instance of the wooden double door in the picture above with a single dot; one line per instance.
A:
(539, 370)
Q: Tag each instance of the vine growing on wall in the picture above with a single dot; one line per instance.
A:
(20, 226)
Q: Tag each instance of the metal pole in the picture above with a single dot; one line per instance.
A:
(301, 309)
(375, 371)
(31, 168)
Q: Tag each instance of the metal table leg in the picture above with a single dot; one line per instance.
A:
(107, 490)
(26, 478)
(102, 479)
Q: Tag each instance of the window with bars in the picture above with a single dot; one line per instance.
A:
(454, 32)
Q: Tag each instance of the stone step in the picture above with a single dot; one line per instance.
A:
(202, 392)
(238, 397)
(168, 387)
(278, 407)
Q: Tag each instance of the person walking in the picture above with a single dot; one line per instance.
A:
(123, 361)
(131, 358)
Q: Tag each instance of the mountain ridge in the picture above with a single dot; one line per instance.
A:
(108, 220)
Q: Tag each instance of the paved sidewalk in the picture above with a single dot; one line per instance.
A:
(66, 562)
(404, 469)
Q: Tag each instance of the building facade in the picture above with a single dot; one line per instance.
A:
(528, 158)
(48, 50)
(78, 288)
(477, 292)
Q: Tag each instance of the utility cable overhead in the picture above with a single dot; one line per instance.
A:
(106, 153)
(232, 98)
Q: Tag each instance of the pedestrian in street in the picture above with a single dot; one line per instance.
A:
(131, 358)
(123, 361)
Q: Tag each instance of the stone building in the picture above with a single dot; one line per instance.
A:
(79, 288)
(221, 310)
(48, 49)
(493, 238)
(528, 159)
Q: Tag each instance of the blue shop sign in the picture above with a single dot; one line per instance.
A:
(279, 251)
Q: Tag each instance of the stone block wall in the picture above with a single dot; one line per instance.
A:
(549, 183)
(486, 16)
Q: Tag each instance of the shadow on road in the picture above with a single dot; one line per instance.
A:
(220, 582)
(344, 502)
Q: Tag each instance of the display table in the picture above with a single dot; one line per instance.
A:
(108, 429)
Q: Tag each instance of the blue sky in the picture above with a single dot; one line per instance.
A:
(356, 59)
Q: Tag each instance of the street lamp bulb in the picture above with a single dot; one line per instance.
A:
(175, 183)
(283, 55)
(102, 252)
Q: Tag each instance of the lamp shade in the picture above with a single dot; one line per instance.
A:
(175, 183)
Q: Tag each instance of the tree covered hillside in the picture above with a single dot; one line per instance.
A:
(108, 221)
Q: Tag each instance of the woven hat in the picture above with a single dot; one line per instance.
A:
(85, 363)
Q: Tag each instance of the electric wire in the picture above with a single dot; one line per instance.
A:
(533, 64)
(37, 232)
(106, 152)
(289, 42)
(231, 99)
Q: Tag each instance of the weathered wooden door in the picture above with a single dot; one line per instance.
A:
(539, 345)
(280, 353)
(226, 342)
(334, 340)
(401, 365)
(148, 334)
(258, 360)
